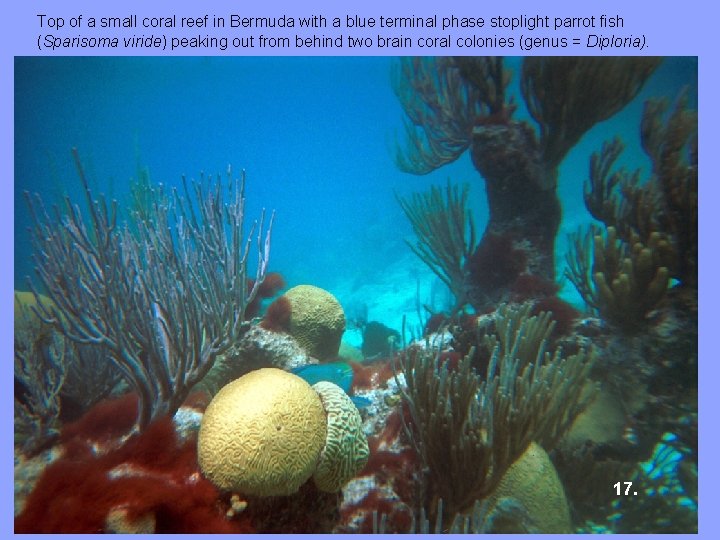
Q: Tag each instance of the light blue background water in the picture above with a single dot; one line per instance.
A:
(315, 135)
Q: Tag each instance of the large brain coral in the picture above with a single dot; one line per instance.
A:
(317, 320)
(269, 431)
(262, 434)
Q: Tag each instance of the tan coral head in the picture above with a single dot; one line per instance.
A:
(317, 321)
(269, 431)
(262, 434)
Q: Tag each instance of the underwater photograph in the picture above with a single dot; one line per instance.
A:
(356, 295)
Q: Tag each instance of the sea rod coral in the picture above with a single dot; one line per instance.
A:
(651, 227)
(469, 428)
(165, 293)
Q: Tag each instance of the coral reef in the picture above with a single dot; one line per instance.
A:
(160, 389)
(527, 394)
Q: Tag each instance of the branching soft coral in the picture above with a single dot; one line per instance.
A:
(165, 295)
(625, 282)
(445, 234)
(443, 108)
(651, 227)
(566, 96)
(40, 371)
(469, 428)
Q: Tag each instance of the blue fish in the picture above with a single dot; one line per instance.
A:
(339, 373)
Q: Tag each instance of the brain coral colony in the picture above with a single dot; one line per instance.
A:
(154, 394)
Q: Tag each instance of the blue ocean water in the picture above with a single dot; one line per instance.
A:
(316, 137)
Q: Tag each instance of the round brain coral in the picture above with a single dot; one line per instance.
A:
(346, 448)
(317, 320)
(533, 481)
(262, 434)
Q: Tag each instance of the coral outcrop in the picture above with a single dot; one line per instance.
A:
(459, 104)
(258, 348)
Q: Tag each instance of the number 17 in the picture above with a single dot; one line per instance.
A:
(618, 486)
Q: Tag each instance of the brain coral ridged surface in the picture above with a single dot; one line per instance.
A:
(317, 321)
(262, 434)
(346, 448)
(533, 481)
